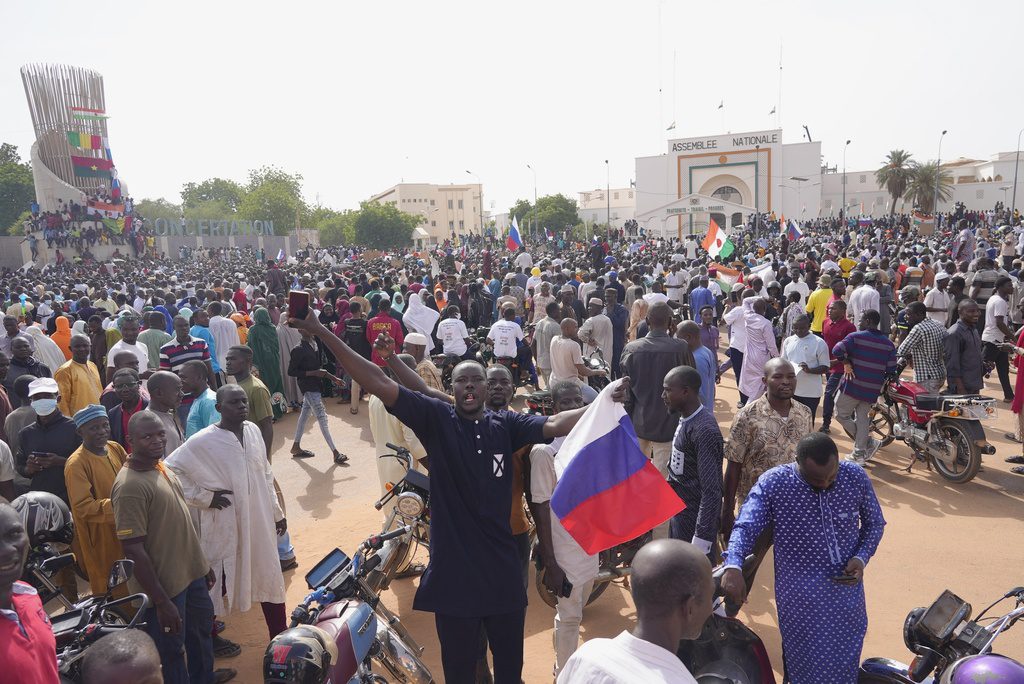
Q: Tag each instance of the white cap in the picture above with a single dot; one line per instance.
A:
(43, 386)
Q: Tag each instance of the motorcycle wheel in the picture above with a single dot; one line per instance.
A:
(964, 436)
(881, 420)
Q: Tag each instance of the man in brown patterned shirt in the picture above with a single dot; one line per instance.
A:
(764, 434)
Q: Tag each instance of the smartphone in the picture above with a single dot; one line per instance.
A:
(298, 304)
(566, 587)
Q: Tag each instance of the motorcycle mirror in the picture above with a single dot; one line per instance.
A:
(120, 572)
(52, 566)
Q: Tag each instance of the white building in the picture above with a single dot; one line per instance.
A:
(725, 178)
(446, 210)
(595, 205)
(979, 184)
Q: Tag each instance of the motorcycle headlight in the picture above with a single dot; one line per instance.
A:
(910, 637)
(409, 504)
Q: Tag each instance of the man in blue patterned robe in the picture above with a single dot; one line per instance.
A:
(827, 525)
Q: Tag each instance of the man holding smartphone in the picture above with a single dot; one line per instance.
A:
(827, 525)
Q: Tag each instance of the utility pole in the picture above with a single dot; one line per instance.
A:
(842, 214)
(608, 197)
(938, 175)
(1016, 166)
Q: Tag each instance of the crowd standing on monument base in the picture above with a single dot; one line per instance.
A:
(140, 399)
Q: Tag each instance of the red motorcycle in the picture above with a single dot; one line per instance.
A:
(944, 430)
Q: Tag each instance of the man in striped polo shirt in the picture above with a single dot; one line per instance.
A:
(867, 356)
(183, 348)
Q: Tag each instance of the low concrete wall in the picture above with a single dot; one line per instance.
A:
(14, 253)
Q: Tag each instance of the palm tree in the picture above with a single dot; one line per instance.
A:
(921, 189)
(895, 175)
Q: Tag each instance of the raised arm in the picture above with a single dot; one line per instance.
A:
(385, 346)
(363, 371)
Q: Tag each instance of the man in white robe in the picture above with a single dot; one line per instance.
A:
(224, 331)
(760, 347)
(227, 479)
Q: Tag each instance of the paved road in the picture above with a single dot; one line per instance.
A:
(938, 536)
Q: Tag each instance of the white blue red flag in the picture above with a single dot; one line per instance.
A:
(513, 241)
(608, 491)
(793, 231)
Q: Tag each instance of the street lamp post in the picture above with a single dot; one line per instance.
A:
(757, 212)
(938, 175)
(480, 183)
(799, 193)
(842, 214)
(1016, 166)
(534, 223)
(608, 197)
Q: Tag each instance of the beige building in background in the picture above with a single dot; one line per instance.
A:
(445, 210)
(593, 206)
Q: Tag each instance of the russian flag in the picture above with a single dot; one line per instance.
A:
(608, 492)
(513, 241)
(793, 231)
(280, 254)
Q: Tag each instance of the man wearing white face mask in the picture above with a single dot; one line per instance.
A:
(48, 442)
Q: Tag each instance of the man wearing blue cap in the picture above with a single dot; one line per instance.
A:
(89, 475)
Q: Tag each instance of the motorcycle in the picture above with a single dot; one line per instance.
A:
(77, 629)
(45, 561)
(364, 630)
(949, 646)
(613, 564)
(944, 430)
(727, 650)
(539, 403)
(411, 510)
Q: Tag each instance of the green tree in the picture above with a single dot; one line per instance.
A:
(271, 174)
(556, 212)
(335, 227)
(384, 226)
(152, 209)
(17, 190)
(921, 188)
(17, 226)
(273, 201)
(221, 190)
(895, 175)
(209, 209)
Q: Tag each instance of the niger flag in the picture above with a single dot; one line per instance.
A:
(716, 242)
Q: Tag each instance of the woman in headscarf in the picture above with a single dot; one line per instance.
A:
(168, 320)
(79, 328)
(46, 349)
(419, 318)
(637, 313)
(243, 329)
(62, 336)
(288, 339)
(343, 312)
(262, 339)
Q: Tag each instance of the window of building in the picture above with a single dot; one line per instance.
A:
(863, 178)
(431, 202)
(462, 225)
(450, 203)
(432, 224)
(630, 194)
(727, 193)
(460, 204)
(451, 224)
(615, 195)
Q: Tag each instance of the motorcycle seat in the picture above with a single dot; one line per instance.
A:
(929, 402)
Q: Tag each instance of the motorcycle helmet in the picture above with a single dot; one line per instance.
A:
(983, 668)
(722, 672)
(300, 655)
(46, 518)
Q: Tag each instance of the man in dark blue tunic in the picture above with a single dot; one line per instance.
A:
(474, 580)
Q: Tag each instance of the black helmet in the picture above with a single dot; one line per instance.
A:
(46, 518)
(300, 655)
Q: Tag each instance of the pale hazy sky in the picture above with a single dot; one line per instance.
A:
(359, 95)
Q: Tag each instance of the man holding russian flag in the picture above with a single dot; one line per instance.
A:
(473, 582)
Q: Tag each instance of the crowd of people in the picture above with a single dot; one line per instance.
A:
(145, 397)
(102, 219)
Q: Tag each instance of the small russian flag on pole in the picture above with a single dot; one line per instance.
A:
(514, 241)
(608, 491)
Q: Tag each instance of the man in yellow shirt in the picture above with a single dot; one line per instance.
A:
(846, 264)
(78, 379)
(817, 303)
(89, 475)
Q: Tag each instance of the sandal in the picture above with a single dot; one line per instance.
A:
(1012, 437)
(1019, 460)
(222, 648)
(1019, 470)
(303, 453)
(354, 411)
(340, 459)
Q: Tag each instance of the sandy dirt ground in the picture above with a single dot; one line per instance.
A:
(939, 536)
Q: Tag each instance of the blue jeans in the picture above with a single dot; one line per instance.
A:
(194, 642)
(831, 387)
(312, 402)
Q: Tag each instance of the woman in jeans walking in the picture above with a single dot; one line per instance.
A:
(305, 367)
